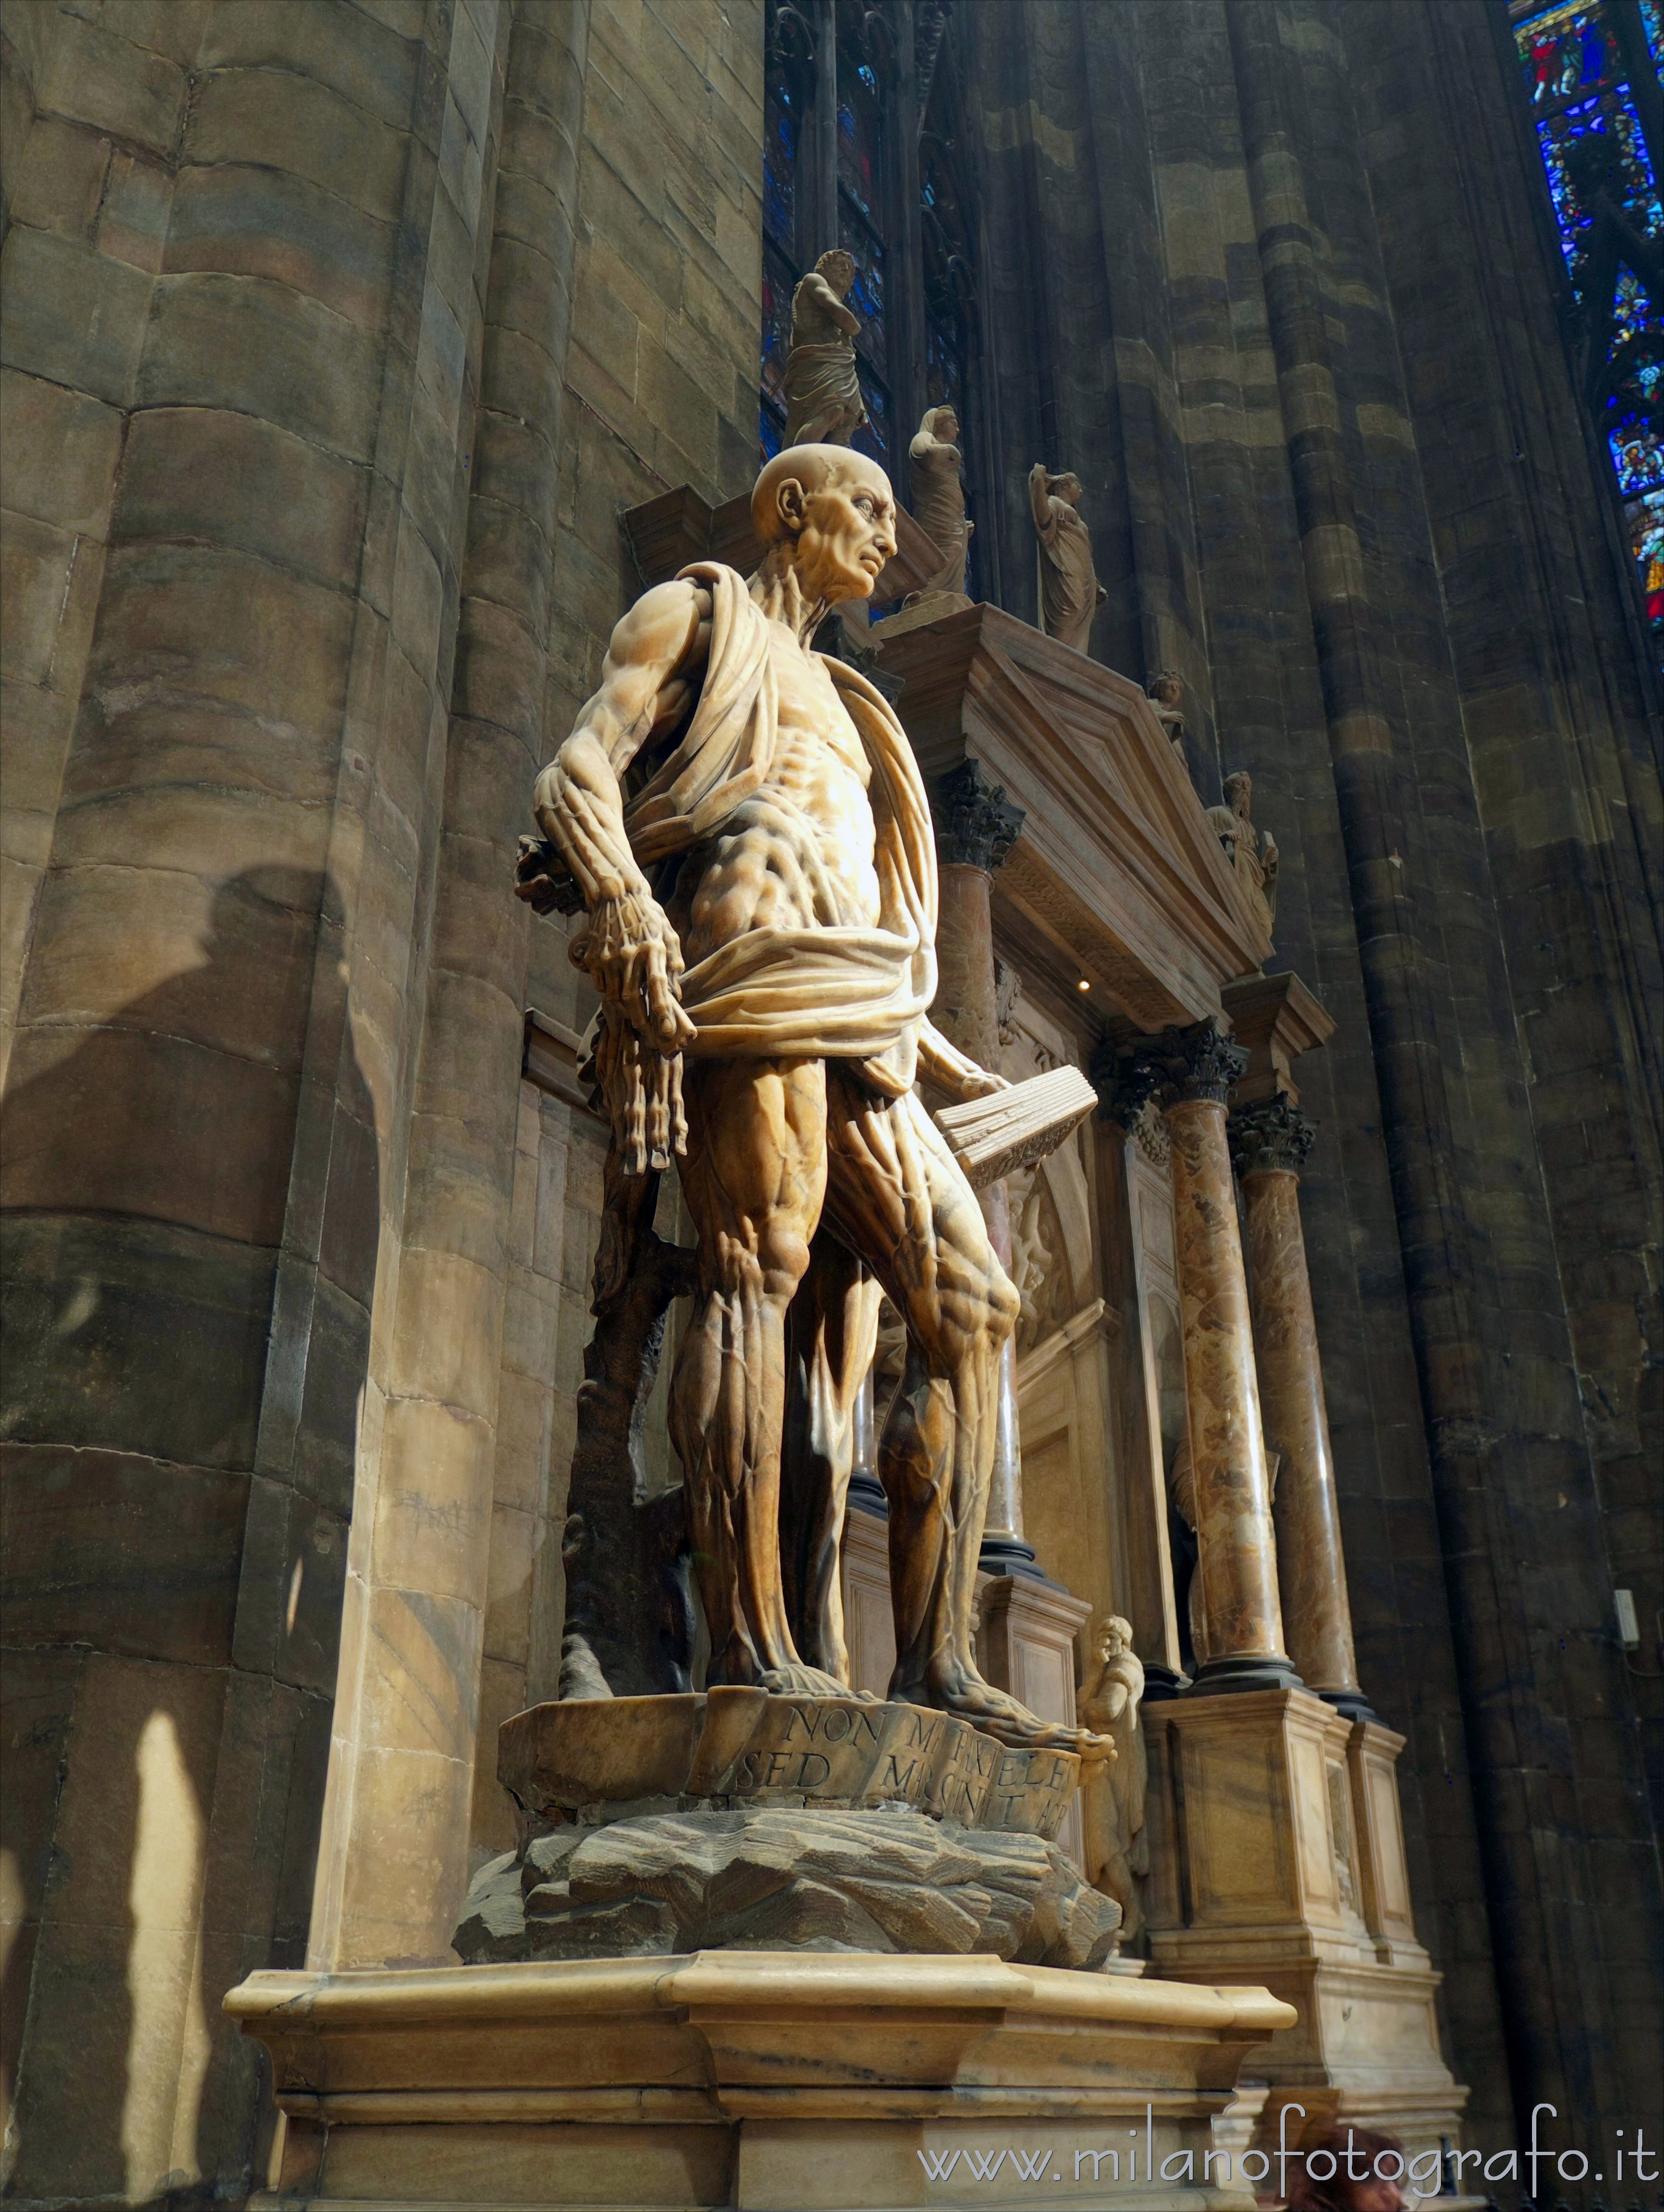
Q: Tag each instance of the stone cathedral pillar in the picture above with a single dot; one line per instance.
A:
(1269, 1144)
(976, 826)
(1237, 1542)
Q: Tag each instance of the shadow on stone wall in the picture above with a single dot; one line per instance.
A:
(173, 1593)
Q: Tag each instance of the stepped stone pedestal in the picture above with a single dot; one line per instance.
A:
(1277, 1859)
(791, 2080)
(796, 2065)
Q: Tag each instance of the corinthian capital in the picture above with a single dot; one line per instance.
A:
(976, 825)
(1273, 1135)
(1203, 1060)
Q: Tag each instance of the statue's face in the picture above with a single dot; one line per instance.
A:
(1067, 487)
(947, 425)
(839, 271)
(842, 519)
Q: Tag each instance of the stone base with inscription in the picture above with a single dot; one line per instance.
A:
(739, 1820)
(592, 1759)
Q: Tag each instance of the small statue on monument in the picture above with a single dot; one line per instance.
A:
(1070, 593)
(823, 404)
(939, 500)
(1114, 1804)
(1165, 693)
(1253, 857)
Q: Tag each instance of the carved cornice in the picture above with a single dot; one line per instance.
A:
(1270, 1136)
(976, 825)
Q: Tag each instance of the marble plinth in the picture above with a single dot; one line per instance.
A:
(725, 1750)
(799, 2083)
(1277, 1859)
(1026, 1644)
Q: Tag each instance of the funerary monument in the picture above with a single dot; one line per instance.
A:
(828, 1206)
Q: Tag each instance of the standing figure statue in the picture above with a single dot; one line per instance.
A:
(1070, 593)
(1118, 1852)
(823, 404)
(1165, 693)
(1254, 858)
(938, 498)
(752, 839)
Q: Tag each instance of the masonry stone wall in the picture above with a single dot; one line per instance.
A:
(311, 550)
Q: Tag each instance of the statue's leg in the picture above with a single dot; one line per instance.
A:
(897, 1195)
(830, 1335)
(754, 1178)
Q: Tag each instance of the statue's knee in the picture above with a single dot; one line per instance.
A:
(781, 1259)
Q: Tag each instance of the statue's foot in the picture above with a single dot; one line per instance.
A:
(960, 1690)
(798, 1680)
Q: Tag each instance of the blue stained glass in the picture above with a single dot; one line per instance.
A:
(867, 294)
(1592, 150)
(873, 438)
(779, 174)
(777, 288)
(771, 429)
(859, 137)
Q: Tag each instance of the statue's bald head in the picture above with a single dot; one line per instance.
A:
(828, 515)
(816, 468)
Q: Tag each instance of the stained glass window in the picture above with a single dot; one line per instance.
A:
(777, 281)
(947, 297)
(914, 346)
(780, 162)
(1578, 57)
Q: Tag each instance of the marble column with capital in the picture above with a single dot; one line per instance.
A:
(976, 826)
(1236, 1538)
(1269, 1143)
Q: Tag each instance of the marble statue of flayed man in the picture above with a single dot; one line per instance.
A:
(823, 386)
(1070, 593)
(752, 839)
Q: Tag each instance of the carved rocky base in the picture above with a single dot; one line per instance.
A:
(786, 1879)
(733, 1818)
(797, 2081)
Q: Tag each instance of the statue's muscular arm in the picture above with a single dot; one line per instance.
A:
(652, 663)
(817, 290)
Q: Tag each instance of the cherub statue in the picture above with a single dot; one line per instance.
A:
(938, 497)
(823, 404)
(1118, 1852)
(1070, 593)
(1253, 857)
(1164, 693)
